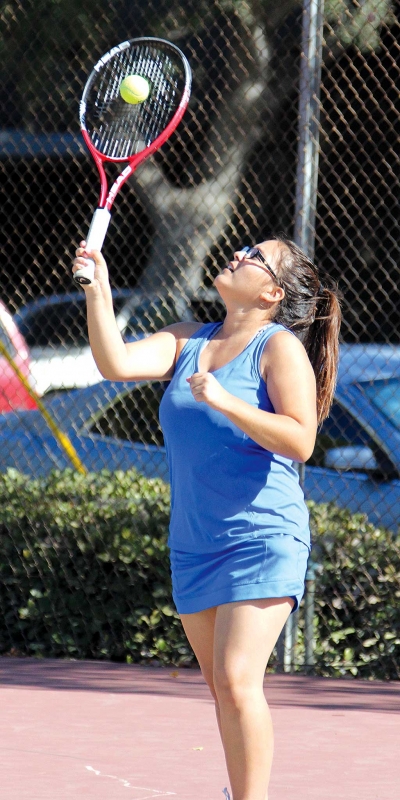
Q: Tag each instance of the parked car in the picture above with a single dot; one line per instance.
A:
(56, 331)
(13, 394)
(111, 425)
(356, 461)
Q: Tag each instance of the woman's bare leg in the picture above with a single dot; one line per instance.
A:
(241, 637)
(199, 628)
(244, 637)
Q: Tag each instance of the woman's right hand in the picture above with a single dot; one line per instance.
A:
(82, 262)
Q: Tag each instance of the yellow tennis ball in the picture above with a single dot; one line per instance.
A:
(134, 89)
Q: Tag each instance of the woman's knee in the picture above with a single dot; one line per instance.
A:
(208, 677)
(235, 686)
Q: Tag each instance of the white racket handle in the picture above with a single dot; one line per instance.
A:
(97, 234)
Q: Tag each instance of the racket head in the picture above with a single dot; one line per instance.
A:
(117, 131)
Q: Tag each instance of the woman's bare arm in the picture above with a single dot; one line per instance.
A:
(152, 358)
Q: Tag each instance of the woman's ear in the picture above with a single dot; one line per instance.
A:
(274, 295)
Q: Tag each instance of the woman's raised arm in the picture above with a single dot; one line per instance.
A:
(150, 358)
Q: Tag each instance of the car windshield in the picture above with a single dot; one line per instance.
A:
(149, 317)
(134, 416)
(59, 324)
(385, 395)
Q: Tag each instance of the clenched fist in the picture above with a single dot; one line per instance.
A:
(206, 389)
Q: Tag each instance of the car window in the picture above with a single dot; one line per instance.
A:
(134, 416)
(342, 430)
(55, 325)
(385, 396)
(61, 323)
(149, 317)
(6, 341)
(118, 303)
(205, 310)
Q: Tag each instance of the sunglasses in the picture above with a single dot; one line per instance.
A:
(253, 252)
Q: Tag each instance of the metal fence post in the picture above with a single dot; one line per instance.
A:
(291, 642)
(309, 606)
(306, 203)
(308, 146)
(309, 113)
(286, 646)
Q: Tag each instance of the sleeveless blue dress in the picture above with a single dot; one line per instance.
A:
(239, 526)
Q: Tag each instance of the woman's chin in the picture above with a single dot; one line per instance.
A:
(220, 279)
(221, 285)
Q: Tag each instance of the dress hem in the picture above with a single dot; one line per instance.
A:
(244, 591)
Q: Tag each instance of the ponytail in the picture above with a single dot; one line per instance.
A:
(322, 346)
(312, 311)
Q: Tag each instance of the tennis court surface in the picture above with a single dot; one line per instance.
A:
(73, 730)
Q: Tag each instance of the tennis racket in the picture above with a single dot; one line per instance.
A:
(118, 131)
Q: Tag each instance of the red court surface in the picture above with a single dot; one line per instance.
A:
(74, 730)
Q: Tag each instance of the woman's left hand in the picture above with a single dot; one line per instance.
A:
(206, 389)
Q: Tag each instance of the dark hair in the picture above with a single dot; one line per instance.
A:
(311, 309)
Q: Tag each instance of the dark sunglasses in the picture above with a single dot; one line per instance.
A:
(254, 252)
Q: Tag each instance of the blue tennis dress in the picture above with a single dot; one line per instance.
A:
(239, 526)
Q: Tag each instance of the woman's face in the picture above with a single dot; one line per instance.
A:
(247, 280)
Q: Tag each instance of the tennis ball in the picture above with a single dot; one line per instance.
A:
(134, 89)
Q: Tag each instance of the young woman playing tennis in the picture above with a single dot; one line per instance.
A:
(243, 403)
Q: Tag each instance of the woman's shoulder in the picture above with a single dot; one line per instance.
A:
(183, 331)
(283, 339)
(282, 343)
(190, 329)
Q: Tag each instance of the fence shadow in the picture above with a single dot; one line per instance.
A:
(282, 691)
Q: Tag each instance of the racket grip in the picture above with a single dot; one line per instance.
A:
(97, 234)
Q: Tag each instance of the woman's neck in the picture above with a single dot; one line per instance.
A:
(242, 324)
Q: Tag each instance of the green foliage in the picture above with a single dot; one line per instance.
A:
(357, 619)
(84, 573)
(48, 47)
(84, 568)
(359, 24)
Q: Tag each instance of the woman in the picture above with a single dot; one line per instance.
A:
(244, 401)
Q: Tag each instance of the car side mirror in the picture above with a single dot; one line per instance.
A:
(346, 458)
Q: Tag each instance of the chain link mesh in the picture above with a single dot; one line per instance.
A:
(227, 176)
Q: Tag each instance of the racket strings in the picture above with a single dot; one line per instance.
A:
(118, 129)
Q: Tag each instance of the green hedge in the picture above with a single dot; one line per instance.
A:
(84, 568)
(357, 621)
(84, 573)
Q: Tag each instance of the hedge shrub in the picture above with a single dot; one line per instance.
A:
(84, 568)
(84, 573)
(357, 620)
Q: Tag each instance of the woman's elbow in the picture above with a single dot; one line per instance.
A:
(111, 374)
(307, 451)
(304, 450)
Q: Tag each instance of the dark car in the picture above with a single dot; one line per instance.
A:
(55, 329)
(356, 461)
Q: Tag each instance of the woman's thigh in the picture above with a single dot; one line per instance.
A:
(233, 642)
(199, 628)
(244, 637)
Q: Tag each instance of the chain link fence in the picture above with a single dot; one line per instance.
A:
(83, 560)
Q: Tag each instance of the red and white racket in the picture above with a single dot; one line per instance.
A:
(117, 131)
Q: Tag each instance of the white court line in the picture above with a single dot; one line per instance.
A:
(156, 792)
